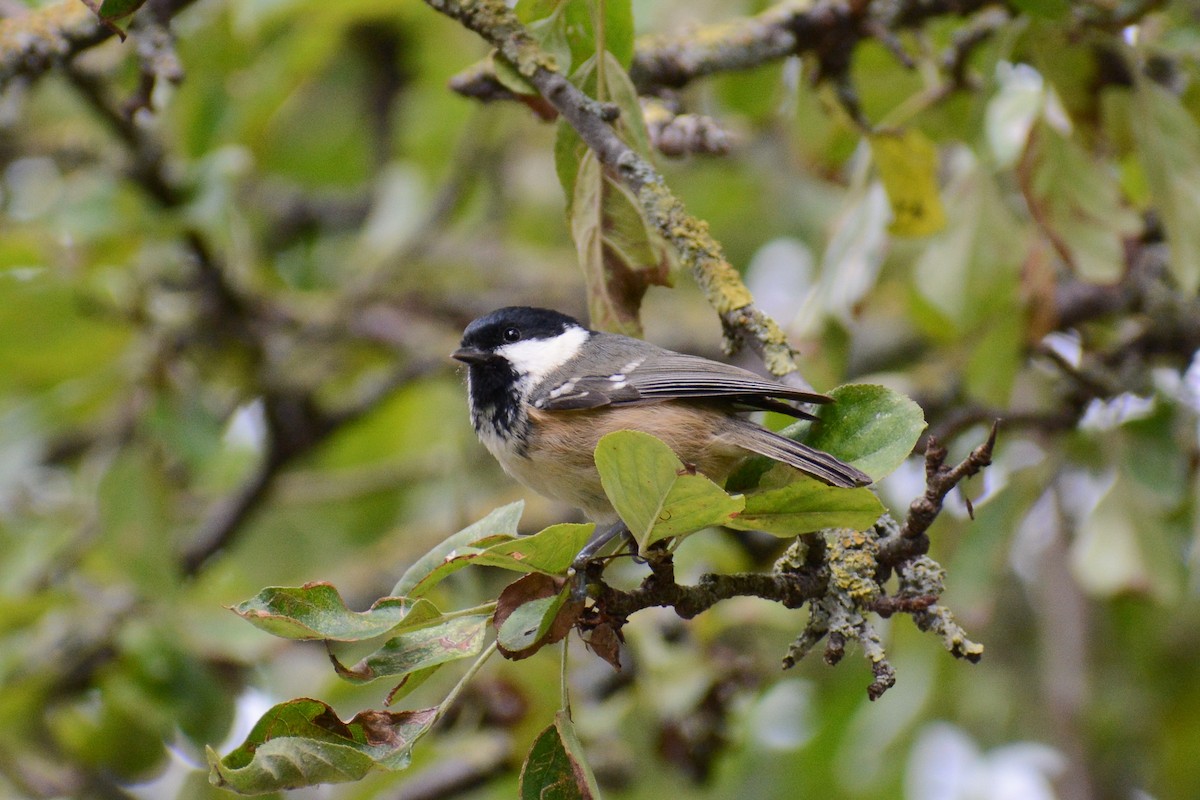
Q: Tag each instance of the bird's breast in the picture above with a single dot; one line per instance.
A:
(558, 458)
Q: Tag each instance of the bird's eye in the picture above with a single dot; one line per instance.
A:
(512, 335)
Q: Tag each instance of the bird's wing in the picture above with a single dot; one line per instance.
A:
(662, 375)
(820, 465)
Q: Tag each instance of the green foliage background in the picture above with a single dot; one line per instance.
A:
(246, 290)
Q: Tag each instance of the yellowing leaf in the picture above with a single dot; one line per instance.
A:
(907, 164)
(620, 255)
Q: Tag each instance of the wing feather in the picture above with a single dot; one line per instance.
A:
(659, 375)
(809, 460)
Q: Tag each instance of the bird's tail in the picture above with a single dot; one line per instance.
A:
(809, 460)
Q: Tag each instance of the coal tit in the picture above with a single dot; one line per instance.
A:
(543, 389)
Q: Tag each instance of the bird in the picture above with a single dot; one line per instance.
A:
(542, 390)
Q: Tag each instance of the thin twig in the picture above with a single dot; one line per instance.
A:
(940, 480)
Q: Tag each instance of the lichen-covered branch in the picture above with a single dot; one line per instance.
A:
(922, 577)
(30, 44)
(829, 30)
(674, 133)
(841, 574)
(698, 251)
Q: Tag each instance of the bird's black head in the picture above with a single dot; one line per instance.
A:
(487, 335)
(509, 352)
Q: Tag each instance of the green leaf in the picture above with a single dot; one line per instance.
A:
(907, 162)
(528, 623)
(72, 344)
(869, 426)
(409, 683)
(582, 33)
(996, 356)
(551, 550)
(1128, 545)
(501, 521)
(531, 613)
(552, 34)
(317, 611)
(451, 640)
(618, 30)
(567, 28)
(654, 493)
(115, 9)
(509, 77)
(555, 768)
(1168, 142)
(850, 265)
(303, 743)
(1019, 102)
(1080, 205)
(788, 504)
(630, 125)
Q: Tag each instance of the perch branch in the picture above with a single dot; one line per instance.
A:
(840, 573)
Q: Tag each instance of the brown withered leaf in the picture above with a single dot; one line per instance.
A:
(606, 643)
(531, 613)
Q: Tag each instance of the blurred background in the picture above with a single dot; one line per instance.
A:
(236, 249)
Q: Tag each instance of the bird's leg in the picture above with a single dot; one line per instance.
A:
(599, 540)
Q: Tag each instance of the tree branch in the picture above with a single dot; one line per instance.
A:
(30, 44)
(911, 540)
(830, 30)
(790, 590)
(840, 573)
(720, 282)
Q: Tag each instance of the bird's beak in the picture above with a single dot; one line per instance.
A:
(471, 355)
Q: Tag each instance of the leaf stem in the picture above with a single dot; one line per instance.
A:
(485, 608)
(446, 703)
(564, 692)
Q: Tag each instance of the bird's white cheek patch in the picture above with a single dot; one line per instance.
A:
(537, 358)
